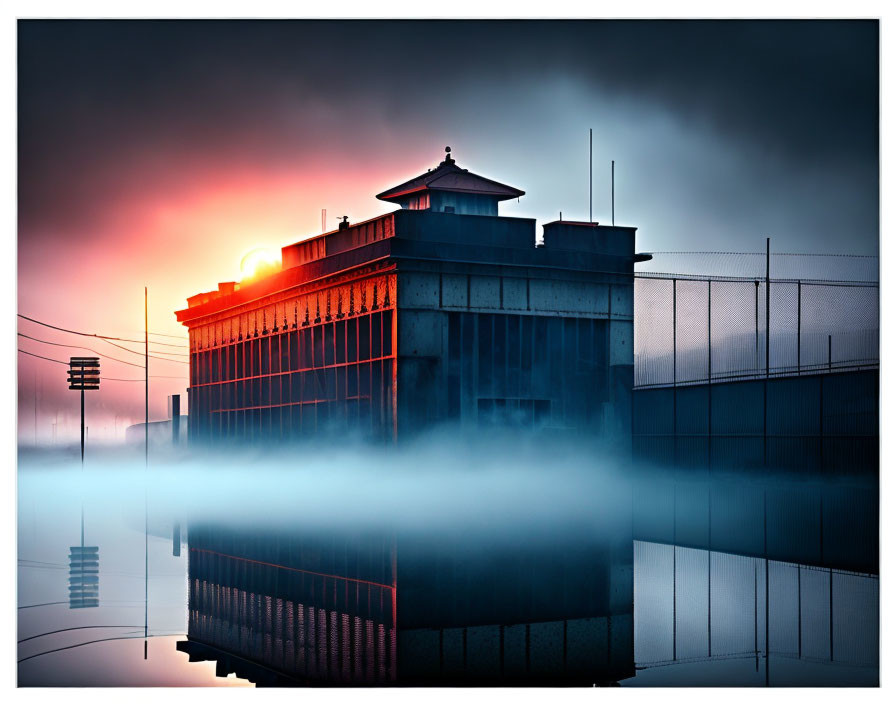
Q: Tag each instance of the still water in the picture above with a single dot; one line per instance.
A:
(578, 576)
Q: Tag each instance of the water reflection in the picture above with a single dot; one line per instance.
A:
(654, 580)
(551, 608)
(780, 619)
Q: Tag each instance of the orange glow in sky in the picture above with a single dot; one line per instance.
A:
(178, 240)
(259, 262)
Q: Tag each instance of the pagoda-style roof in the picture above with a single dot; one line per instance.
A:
(448, 176)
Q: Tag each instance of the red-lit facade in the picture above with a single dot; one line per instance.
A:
(279, 364)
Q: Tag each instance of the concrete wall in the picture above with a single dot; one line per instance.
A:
(541, 352)
(824, 523)
(821, 423)
(160, 433)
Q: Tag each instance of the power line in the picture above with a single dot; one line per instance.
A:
(63, 630)
(77, 347)
(90, 334)
(115, 359)
(104, 378)
(151, 376)
(90, 642)
(126, 349)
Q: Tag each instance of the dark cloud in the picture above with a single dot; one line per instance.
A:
(95, 96)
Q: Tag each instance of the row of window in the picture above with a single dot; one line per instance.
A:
(296, 638)
(296, 404)
(339, 342)
(367, 420)
(360, 380)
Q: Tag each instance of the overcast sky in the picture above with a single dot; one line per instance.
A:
(159, 153)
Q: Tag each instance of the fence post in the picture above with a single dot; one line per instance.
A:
(756, 351)
(765, 550)
(799, 612)
(674, 332)
(709, 330)
(674, 373)
(709, 374)
(768, 297)
(831, 611)
(799, 325)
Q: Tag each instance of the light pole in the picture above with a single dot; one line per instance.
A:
(83, 375)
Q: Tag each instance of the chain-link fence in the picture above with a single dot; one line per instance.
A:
(806, 266)
(690, 329)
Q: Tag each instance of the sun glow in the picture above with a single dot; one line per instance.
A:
(259, 262)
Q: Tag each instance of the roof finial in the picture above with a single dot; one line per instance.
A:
(448, 159)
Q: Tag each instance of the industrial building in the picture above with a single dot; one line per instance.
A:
(440, 312)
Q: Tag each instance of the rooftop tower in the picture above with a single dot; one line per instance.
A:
(451, 189)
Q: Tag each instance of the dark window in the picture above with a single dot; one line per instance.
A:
(329, 346)
(352, 340)
(364, 337)
(376, 335)
(340, 341)
(265, 355)
(526, 324)
(387, 333)
(485, 355)
(275, 390)
(317, 346)
(513, 355)
(514, 412)
(351, 380)
(294, 350)
(296, 384)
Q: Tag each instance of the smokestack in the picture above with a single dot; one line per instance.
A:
(174, 416)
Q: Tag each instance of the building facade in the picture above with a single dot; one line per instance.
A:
(442, 312)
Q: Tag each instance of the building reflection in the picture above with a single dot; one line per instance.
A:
(83, 577)
(289, 607)
(766, 594)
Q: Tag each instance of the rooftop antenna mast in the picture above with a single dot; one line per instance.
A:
(613, 193)
(323, 219)
(590, 175)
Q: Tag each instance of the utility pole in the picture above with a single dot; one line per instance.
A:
(146, 376)
(145, 472)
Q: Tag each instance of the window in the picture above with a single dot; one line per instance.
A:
(514, 412)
